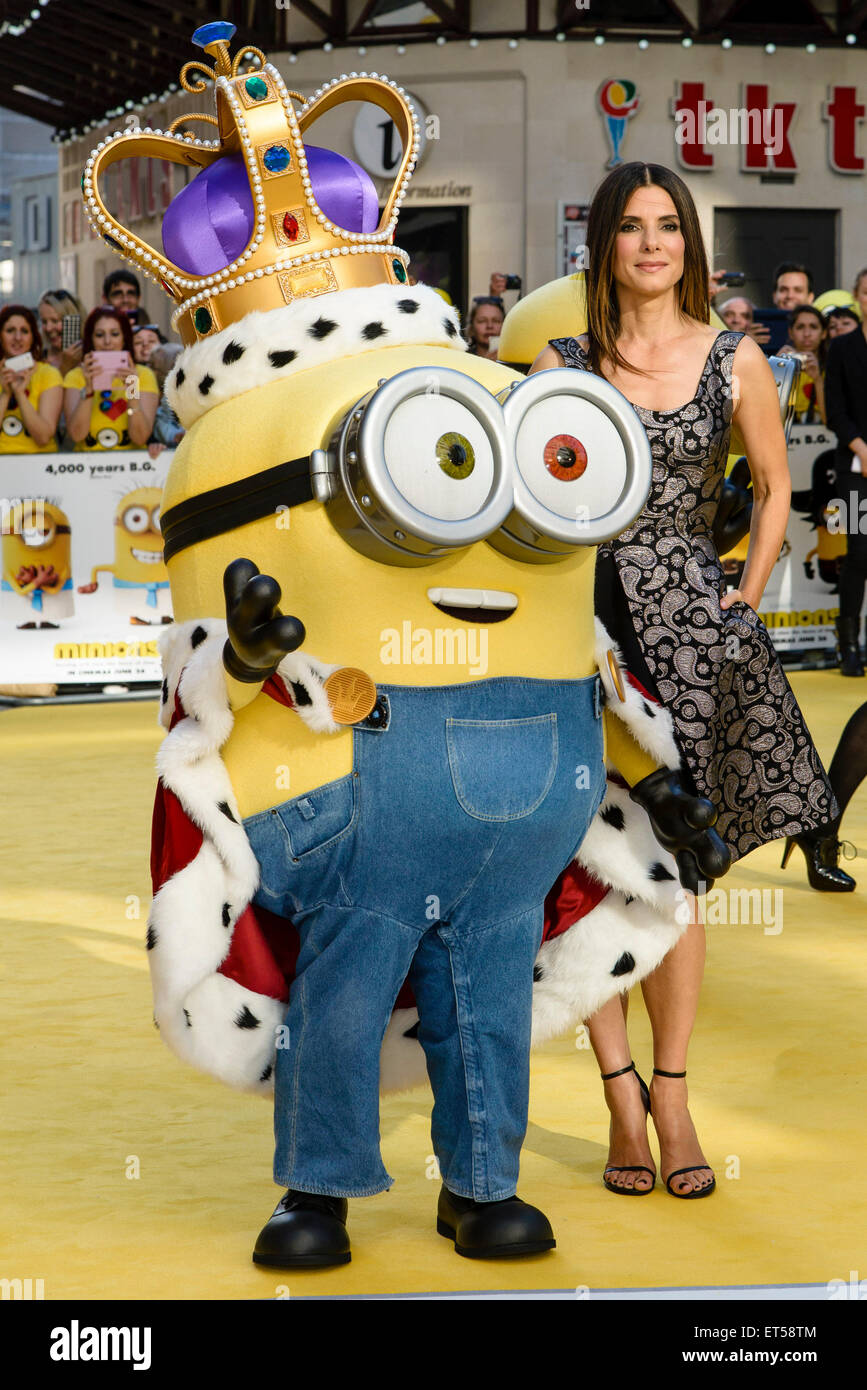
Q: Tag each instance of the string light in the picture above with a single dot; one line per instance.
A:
(643, 44)
(15, 28)
(727, 43)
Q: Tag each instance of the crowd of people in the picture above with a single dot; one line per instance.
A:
(78, 381)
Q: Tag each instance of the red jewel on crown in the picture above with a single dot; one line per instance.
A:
(290, 226)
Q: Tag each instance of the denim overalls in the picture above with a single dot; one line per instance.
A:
(431, 860)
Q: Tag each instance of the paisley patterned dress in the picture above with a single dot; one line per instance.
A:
(741, 734)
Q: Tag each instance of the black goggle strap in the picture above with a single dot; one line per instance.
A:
(225, 508)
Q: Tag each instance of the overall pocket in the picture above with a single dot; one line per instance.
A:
(502, 769)
(317, 819)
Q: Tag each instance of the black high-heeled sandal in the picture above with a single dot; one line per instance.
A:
(696, 1167)
(634, 1167)
(821, 853)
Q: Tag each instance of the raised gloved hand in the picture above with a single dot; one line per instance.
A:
(683, 825)
(259, 634)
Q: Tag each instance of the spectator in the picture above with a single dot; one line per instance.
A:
(53, 308)
(484, 322)
(146, 337)
(737, 313)
(168, 432)
(30, 397)
(793, 285)
(846, 388)
(117, 417)
(122, 291)
(840, 319)
(807, 338)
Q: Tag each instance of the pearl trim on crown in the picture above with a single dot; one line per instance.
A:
(212, 285)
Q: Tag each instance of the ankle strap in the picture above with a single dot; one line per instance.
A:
(609, 1076)
(657, 1072)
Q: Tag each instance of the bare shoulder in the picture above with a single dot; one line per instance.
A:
(750, 361)
(547, 359)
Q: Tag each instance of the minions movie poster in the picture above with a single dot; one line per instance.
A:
(84, 591)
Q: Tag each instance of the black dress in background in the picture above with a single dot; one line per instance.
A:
(741, 734)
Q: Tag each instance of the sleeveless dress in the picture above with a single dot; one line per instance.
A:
(742, 737)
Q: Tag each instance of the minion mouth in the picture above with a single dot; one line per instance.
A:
(146, 557)
(474, 605)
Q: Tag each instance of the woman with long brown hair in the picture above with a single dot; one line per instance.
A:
(660, 591)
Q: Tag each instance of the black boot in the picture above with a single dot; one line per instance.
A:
(821, 853)
(493, 1230)
(850, 656)
(307, 1231)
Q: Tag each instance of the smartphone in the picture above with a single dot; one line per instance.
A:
(21, 363)
(777, 323)
(71, 330)
(108, 366)
(732, 278)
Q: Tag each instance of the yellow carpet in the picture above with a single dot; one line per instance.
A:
(776, 1073)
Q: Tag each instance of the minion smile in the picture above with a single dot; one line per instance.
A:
(474, 605)
(147, 557)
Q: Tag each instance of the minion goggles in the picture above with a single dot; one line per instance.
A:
(429, 462)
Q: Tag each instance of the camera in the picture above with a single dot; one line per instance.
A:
(513, 282)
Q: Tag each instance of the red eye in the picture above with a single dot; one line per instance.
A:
(565, 457)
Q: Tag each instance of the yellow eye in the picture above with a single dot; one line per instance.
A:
(455, 454)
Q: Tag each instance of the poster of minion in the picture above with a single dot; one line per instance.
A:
(447, 735)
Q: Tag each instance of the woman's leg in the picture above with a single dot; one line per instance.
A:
(671, 995)
(628, 1131)
(849, 764)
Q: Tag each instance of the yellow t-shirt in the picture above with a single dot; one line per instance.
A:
(14, 438)
(108, 414)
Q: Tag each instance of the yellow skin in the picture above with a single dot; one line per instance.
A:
(37, 545)
(346, 600)
(136, 529)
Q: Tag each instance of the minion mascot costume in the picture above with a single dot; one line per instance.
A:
(371, 833)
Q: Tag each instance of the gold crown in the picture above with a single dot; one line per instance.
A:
(295, 250)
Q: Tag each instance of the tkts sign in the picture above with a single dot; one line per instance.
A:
(761, 129)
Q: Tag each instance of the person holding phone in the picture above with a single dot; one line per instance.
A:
(110, 400)
(31, 390)
(58, 309)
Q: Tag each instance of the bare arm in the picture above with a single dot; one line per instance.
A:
(757, 413)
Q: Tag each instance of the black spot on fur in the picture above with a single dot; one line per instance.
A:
(226, 810)
(156, 1025)
(373, 330)
(413, 1031)
(198, 635)
(613, 816)
(321, 328)
(180, 378)
(282, 357)
(227, 914)
(231, 353)
(205, 384)
(627, 901)
(408, 306)
(246, 1020)
(266, 1074)
(659, 873)
(450, 328)
(189, 1020)
(649, 710)
(165, 689)
(538, 974)
(151, 938)
(624, 965)
(300, 693)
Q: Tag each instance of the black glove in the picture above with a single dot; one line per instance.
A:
(259, 635)
(682, 824)
(733, 516)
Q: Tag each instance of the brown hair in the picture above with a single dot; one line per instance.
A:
(105, 311)
(21, 311)
(603, 226)
(858, 278)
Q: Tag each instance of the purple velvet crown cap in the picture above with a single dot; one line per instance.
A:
(209, 223)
